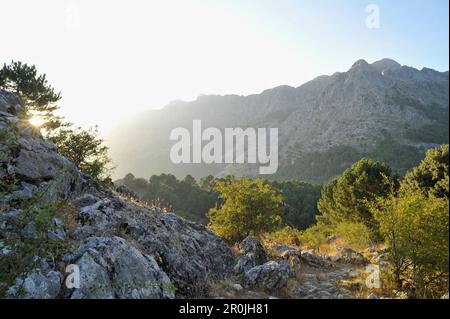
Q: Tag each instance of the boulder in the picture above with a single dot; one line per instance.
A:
(251, 245)
(350, 256)
(112, 267)
(245, 262)
(39, 284)
(189, 253)
(122, 247)
(268, 277)
(313, 259)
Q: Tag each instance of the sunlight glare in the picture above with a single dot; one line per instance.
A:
(37, 121)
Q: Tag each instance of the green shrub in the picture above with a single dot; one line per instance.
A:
(355, 235)
(285, 235)
(249, 207)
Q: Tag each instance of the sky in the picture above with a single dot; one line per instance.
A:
(112, 59)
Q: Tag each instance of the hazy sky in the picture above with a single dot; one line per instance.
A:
(114, 58)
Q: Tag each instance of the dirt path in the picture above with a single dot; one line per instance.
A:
(313, 283)
(325, 283)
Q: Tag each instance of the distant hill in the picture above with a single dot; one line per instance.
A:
(382, 110)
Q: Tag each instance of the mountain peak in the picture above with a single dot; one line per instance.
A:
(385, 64)
(360, 63)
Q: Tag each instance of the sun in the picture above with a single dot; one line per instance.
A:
(37, 121)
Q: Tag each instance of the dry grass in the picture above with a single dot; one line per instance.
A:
(68, 212)
(224, 289)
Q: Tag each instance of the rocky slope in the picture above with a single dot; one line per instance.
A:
(383, 110)
(122, 248)
(62, 235)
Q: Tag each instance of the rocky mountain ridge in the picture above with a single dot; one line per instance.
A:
(122, 248)
(57, 223)
(383, 110)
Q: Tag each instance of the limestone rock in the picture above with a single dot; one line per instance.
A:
(40, 284)
(120, 270)
(268, 277)
(251, 245)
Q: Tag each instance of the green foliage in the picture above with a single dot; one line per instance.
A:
(346, 199)
(300, 202)
(414, 224)
(285, 235)
(431, 175)
(355, 235)
(249, 207)
(38, 95)
(314, 236)
(85, 149)
(430, 133)
(398, 156)
(416, 229)
(317, 167)
(193, 200)
(186, 198)
(27, 242)
(207, 183)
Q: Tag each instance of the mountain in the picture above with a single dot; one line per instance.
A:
(52, 216)
(65, 236)
(382, 110)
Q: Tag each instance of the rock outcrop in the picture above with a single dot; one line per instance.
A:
(350, 256)
(268, 277)
(252, 254)
(122, 248)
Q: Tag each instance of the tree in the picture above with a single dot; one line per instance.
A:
(128, 179)
(190, 181)
(39, 97)
(416, 229)
(207, 182)
(347, 198)
(300, 202)
(431, 175)
(248, 207)
(85, 149)
(415, 224)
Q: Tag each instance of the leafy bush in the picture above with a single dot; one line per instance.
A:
(355, 235)
(249, 207)
(285, 235)
(415, 225)
(416, 229)
(26, 249)
(314, 236)
(85, 149)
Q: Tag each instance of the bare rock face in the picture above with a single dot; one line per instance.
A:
(355, 113)
(10, 103)
(112, 267)
(251, 245)
(31, 160)
(122, 249)
(253, 254)
(40, 284)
